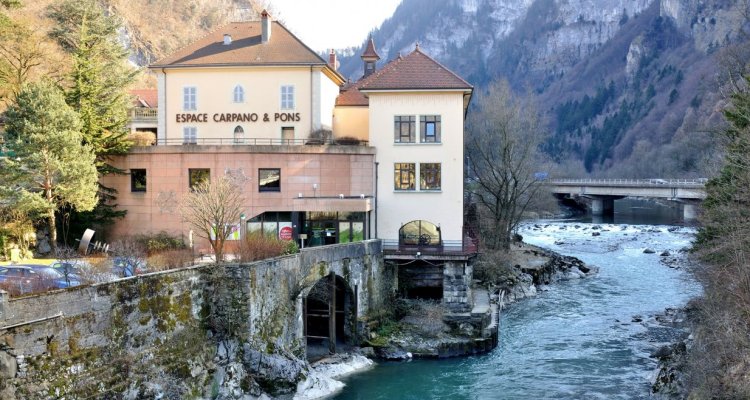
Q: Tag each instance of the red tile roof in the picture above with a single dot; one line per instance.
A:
(370, 50)
(246, 48)
(145, 98)
(412, 72)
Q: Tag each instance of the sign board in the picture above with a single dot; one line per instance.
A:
(285, 233)
(233, 231)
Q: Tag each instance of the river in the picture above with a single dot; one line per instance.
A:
(576, 340)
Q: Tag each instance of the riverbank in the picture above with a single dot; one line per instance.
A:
(423, 328)
(580, 338)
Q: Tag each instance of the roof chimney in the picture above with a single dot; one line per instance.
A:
(266, 26)
(333, 60)
(227, 39)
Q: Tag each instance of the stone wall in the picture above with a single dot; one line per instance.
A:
(206, 331)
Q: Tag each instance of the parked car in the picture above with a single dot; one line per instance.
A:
(75, 269)
(23, 279)
(127, 266)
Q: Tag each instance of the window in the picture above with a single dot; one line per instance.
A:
(429, 176)
(287, 97)
(189, 95)
(429, 127)
(239, 94)
(287, 135)
(197, 176)
(239, 135)
(404, 176)
(269, 180)
(404, 129)
(137, 180)
(189, 135)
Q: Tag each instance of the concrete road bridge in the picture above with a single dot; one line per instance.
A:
(603, 192)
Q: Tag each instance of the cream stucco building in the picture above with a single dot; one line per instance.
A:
(315, 155)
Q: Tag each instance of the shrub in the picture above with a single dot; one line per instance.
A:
(162, 241)
(140, 138)
(170, 259)
(348, 140)
(257, 246)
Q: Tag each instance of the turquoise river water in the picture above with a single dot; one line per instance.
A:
(576, 339)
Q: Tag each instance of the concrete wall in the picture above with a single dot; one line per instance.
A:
(171, 332)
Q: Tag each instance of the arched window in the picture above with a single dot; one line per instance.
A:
(419, 233)
(239, 94)
(239, 135)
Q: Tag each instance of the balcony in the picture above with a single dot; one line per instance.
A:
(443, 250)
(144, 115)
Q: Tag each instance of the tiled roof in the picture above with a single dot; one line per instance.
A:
(370, 50)
(246, 48)
(145, 98)
(412, 72)
(351, 96)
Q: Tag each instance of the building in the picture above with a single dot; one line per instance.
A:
(315, 155)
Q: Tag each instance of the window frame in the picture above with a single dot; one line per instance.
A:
(427, 120)
(399, 121)
(238, 94)
(134, 178)
(191, 182)
(287, 96)
(189, 99)
(265, 188)
(424, 169)
(238, 135)
(186, 137)
(404, 170)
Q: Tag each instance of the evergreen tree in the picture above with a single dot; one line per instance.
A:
(99, 79)
(51, 168)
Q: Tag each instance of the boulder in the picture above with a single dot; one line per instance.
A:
(393, 353)
(595, 234)
(8, 365)
(665, 253)
(649, 251)
(43, 247)
(368, 352)
(662, 352)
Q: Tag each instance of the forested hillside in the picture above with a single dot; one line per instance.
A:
(629, 88)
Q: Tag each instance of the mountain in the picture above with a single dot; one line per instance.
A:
(629, 87)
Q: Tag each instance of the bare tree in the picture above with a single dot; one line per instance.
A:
(128, 256)
(212, 209)
(67, 257)
(504, 133)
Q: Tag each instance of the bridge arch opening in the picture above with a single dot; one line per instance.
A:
(329, 316)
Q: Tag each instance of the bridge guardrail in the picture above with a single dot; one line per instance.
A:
(629, 182)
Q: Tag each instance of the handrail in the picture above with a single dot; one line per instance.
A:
(652, 182)
(260, 142)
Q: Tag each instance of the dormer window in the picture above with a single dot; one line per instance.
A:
(239, 94)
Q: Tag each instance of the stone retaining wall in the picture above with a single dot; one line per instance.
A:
(184, 333)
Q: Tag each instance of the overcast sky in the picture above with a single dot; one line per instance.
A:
(325, 24)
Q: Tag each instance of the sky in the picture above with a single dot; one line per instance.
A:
(326, 24)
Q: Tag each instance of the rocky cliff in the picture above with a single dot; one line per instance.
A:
(628, 86)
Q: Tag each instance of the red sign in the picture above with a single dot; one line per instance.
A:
(285, 233)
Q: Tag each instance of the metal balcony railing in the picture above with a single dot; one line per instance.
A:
(259, 142)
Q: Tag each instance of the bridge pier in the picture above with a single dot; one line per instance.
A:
(602, 205)
(689, 212)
